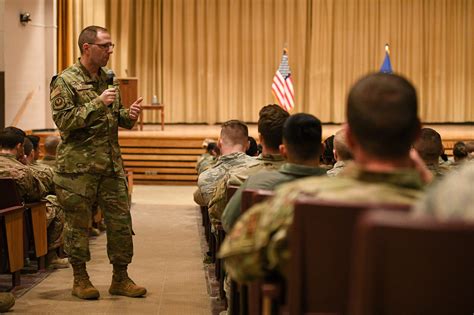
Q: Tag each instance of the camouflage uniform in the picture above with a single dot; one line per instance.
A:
(205, 162)
(89, 166)
(208, 179)
(452, 197)
(337, 168)
(48, 160)
(45, 174)
(438, 170)
(236, 177)
(258, 244)
(265, 180)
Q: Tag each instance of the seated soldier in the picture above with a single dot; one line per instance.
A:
(208, 159)
(430, 148)
(7, 300)
(451, 197)
(253, 147)
(382, 125)
(342, 153)
(54, 213)
(270, 129)
(301, 149)
(232, 143)
(50, 145)
(327, 157)
(460, 154)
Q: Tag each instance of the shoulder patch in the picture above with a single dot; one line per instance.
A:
(59, 103)
(55, 92)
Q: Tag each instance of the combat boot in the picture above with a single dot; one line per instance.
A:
(7, 300)
(54, 262)
(123, 285)
(82, 287)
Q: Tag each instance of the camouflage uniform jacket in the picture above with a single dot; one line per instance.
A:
(452, 197)
(266, 180)
(337, 168)
(205, 162)
(258, 242)
(30, 188)
(44, 173)
(236, 177)
(48, 160)
(207, 180)
(438, 170)
(88, 128)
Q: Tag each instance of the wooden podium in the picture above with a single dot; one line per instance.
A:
(128, 90)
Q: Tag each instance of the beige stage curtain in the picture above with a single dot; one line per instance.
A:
(213, 60)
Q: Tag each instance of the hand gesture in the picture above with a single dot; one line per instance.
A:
(135, 109)
(108, 96)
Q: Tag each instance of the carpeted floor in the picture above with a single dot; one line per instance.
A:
(168, 261)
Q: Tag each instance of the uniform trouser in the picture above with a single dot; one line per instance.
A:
(77, 194)
(55, 222)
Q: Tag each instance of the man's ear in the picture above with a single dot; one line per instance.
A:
(283, 151)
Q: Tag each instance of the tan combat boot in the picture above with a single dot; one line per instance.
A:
(123, 285)
(7, 300)
(54, 262)
(82, 287)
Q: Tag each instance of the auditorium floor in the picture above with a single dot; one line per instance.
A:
(167, 260)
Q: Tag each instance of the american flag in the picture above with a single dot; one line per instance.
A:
(282, 86)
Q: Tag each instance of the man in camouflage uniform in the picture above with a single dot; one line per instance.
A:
(50, 145)
(233, 143)
(342, 153)
(381, 110)
(430, 147)
(89, 168)
(301, 149)
(270, 128)
(208, 159)
(54, 212)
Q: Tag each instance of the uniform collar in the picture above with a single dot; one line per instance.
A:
(301, 170)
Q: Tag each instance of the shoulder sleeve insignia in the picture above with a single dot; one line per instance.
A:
(59, 103)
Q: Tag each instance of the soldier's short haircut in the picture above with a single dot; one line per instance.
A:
(302, 136)
(16, 130)
(27, 146)
(270, 125)
(340, 145)
(89, 35)
(34, 140)
(50, 144)
(382, 112)
(10, 139)
(460, 150)
(234, 132)
(429, 145)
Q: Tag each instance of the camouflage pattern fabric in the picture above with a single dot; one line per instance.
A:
(258, 243)
(88, 128)
(89, 165)
(205, 162)
(48, 160)
(45, 174)
(452, 197)
(77, 193)
(265, 180)
(29, 187)
(438, 170)
(337, 168)
(208, 179)
(236, 177)
(55, 222)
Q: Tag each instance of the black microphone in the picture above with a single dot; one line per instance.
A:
(110, 79)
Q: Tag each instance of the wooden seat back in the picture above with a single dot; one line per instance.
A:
(406, 265)
(321, 245)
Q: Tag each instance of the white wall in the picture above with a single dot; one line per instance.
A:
(30, 61)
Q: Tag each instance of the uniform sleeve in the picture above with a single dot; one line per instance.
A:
(30, 188)
(218, 200)
(69, 116)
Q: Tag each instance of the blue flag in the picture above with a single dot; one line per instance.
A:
(387, 65)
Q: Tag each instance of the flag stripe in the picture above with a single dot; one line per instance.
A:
(282, 85)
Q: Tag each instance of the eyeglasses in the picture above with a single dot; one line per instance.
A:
(104, 46)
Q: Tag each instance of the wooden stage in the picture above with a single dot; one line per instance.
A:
(169, 157)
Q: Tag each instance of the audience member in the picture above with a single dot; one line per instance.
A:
(50, 146)
(209, 158)
(270, 129)
(233, 142)
(430, 148)
(253, 147)
(381, 110)
(342, 153)
(327, 157)
(460, 154)
(35, 140)
(451, 197)
(301, 149)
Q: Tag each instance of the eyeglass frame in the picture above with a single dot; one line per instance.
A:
(104, 46)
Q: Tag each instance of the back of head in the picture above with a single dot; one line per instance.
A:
(340, 146)
(234, 132)
(382, 114)
(327, 157)
(253, 148)
(429, 145)
(9, 139)
(50, 145)
(89, 35)
(270, 125)
(27, 146)
(34, 140)
(460, 150)
(302, 136)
